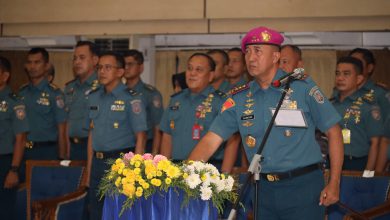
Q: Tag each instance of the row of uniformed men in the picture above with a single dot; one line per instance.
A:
(116, 113)
(363, 104)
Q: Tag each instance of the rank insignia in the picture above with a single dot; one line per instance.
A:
(248, 112)
(247, 124)
(250, 141)
(229, 103)
(248, 105)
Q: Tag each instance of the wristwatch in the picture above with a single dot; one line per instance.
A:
(14, 169)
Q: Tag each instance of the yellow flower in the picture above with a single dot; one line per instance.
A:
(203, 178)
(185, 175)
(163, 164)
(159, 173)
(149, 176)
(137, 164)
(118, 161)
(168, 181)
(173, 171)
(145, 185)
(138, 193)
(155, 182)
(222, 176)
(118, 181)
(129, 190)
(137, 171)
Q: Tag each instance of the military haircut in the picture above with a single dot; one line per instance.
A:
(368, 56)
(5, 65)
(120, 61)
(41, 50)
(356, 63)
(92, 46)
(224, 55)
(209, 59)
(295, 49)
(137, 55)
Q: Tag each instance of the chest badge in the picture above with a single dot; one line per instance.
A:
(250, 141)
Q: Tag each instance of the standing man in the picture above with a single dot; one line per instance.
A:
(237, 69)
(13, 130)
(362, 124)
(221, 61)
(291, 182)
(290, 58)
(45, 110)
(85, 59)
(117, 122)
(151, 97)
(191, 111)
(381, 96)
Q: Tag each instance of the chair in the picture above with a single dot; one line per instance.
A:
(361, 198)
(55, 190)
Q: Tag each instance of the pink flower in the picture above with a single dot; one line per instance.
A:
(158, 158)
(128, 156)
(147, 156)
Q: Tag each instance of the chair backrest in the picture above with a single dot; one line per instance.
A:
(48, 179)
(359, 193)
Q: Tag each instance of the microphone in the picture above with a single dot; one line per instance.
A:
(298, 73)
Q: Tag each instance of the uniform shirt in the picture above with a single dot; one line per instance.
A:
(152, 100)
(183, 112)
(225, 86)
(76, 100)
(13, 120)
(363, 118)
(382, 96)
(249, 112)
(45, 110)
(115, 117)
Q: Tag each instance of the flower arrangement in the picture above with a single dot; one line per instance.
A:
(136, 176)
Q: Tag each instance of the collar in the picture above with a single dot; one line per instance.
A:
(205, 92)
(369, 84)
(118, 89)
(41, 85)
(255, 86)
(138, 86)
(358, 93)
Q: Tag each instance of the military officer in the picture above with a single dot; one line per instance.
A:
(85, 59)
(236, 69)
(117, 122)
(13, 132)
(290, 58)
(380, 93)
(221, 61)
(291, 183)
(45, 110)
(362, 124)
(191, 111)
(151, 97)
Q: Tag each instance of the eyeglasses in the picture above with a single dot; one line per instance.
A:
(106, 68)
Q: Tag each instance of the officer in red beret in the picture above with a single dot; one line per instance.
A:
(291, 184)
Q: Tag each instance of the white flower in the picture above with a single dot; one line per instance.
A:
(229, 183)
(212, 169)
(220, 185)
(198, 165)
(206, 193)
(193, 180)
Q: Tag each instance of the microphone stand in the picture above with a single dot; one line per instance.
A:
(255, 166)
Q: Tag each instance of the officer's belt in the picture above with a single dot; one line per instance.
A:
(78, 140)
(110, 154)
(35, 144)
(273, 177)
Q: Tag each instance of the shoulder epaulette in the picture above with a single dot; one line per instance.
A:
(175, 94)
(150, 87)
(238, 89)
(70, 81)
(23, 86)
(382, 85)
(93, 90)
(369, 97)
(132, 92)
(53, 86)
(220, 93)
